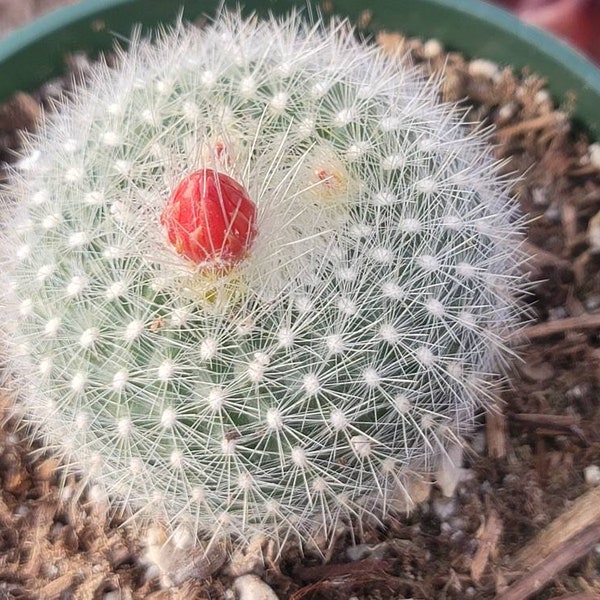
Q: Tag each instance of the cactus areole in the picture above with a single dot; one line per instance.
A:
(210, 220)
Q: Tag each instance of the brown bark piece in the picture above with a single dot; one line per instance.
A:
(529, 125)
(587, 321)
(391, 43)
(58, 587)
(578, 596)
(551, 424)
(538, 257)
(22, 111)
(583, 514)
(569, 223)
(545, 571)
(320, 572)
(496, 433)
(488, 542)
(89, 589)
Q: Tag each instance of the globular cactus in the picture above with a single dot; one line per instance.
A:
(256, 276)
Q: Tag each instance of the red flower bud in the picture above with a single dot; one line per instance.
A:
(209, 218)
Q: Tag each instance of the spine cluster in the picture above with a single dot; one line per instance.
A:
(343, 351)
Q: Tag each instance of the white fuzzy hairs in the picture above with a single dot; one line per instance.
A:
(347, 350)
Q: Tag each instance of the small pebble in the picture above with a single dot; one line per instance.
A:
(553, 214)
(458, 524)
(21, 511)
(251, 587)
(542, 96)
(510, 479)
(591, 475)
(444, 508)
(51, 571)
(594, 154)
(362, 551)
(358, 552)
(557, 313)
(579, 391)
(507, 111)
(593, 233)
(432, 48)
(539, 196)
(592, 303)
(483, 68)
(458, 539)
(487, 487)
(152, 572)
(478, 442)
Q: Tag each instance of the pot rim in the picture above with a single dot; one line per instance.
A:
(35, 53)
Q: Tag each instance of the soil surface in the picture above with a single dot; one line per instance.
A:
(524, 522)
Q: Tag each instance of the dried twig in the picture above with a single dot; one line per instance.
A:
(553, 424)
(553, 118)
(496, 431)
(539, 257)
(578, 596)
(488, 541)
(567, 539)
(59, 587)
(583, 513)
(544, 572)
(569, 223)
(341, 569)
(548, 328)
(375, 580)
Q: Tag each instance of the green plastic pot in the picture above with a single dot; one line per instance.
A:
(36, 53)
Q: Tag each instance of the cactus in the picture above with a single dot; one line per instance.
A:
(255, 276)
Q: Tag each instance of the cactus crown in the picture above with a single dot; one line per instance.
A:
(346, 343)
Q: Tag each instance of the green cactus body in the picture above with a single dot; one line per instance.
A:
(351, 343)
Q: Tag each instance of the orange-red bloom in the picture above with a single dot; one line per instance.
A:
(210, 218)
